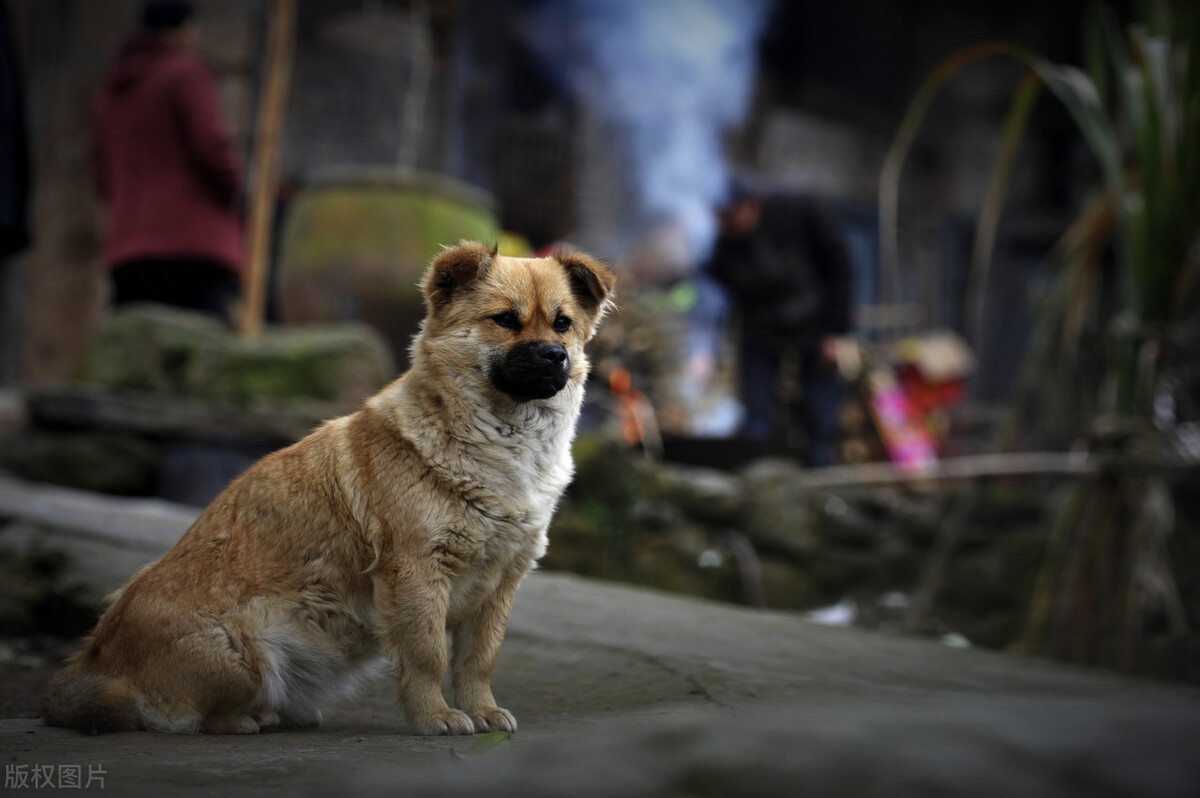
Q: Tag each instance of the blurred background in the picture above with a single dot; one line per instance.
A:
(1014, 185)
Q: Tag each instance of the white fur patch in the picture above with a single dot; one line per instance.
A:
(306, 673)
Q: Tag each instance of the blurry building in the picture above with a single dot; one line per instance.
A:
(470, 89)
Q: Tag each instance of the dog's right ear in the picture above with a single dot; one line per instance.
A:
(456, 268)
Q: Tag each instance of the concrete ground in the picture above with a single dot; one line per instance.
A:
(621, 691)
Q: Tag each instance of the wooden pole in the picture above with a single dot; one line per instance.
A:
(271, 107)
(981, 466)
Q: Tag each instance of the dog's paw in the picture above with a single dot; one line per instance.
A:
(265, 718)
(446, 721)
(490, 719)
(229, 724)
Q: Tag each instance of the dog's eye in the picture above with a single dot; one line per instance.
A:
(507, 320)
(562, 324)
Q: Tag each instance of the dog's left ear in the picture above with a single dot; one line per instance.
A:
(454, 270)
(591, 281)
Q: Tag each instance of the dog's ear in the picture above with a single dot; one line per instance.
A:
(591, 281)
(453, 270)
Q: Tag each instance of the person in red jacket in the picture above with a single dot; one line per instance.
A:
(166, 168)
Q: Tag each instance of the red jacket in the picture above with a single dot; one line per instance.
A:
(164, 160)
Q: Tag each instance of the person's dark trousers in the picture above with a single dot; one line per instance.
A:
(760, 367)
(201, 285)
(820, 405)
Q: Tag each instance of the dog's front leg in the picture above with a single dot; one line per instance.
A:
(412, 617)
(477, 641)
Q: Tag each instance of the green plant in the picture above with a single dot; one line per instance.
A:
(1136, 103)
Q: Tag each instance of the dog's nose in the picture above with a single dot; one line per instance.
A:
(554, 354)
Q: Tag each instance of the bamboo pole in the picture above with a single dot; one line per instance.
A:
(982, 466)
(281, 26)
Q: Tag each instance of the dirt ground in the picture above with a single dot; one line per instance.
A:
(26, 666)
(623, 691)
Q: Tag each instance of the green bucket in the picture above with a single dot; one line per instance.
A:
(356, 241)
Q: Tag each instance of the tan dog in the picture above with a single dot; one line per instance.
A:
(377, 533)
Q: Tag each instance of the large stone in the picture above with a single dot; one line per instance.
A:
(161, 416)
(164, 350)
(782, 515)
(50, 584)
(96, 461)
(708, 496)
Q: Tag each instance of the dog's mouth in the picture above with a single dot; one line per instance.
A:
(534, 370)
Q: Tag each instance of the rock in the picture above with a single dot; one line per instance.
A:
(96, 461)
(165, 350)
(710, 497)
(667, 567)
(846, 524)
(837, 571)
(40, 592)
(785, 585)
(585, 540)
(609, 472)
(163, 416)
(780, 512)
(150, 348)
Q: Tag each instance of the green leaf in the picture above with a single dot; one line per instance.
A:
(489, 743)
(1094, 58)
(988, 221)
(910, 125)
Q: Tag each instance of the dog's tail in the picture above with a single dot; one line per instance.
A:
(91, 703)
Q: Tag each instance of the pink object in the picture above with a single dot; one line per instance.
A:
(910, 444)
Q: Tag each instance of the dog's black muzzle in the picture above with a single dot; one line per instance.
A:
(534, 370)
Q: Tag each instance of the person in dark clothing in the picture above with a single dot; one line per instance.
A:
(165, 166)
(14, 148)
(783, 261)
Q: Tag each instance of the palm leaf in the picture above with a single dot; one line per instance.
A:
(893, 164)
(988, 221)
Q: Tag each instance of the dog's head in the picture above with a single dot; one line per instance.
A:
(520, 322)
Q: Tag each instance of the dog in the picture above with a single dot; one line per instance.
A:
(367, 541)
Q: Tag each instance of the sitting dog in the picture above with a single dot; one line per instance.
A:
(380, 532)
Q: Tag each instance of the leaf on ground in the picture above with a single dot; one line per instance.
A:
(487, 744)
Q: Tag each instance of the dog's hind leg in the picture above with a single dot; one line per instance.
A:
(210, 683)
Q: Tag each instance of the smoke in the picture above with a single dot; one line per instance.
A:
(672, 76)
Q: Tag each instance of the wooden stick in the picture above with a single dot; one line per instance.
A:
(282, 25)
(956, 468)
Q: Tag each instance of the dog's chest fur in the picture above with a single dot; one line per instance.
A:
(506, 474)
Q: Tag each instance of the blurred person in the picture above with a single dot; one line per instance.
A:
(14, 148)
(783, 261)
(165, 166)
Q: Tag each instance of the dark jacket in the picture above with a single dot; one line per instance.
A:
(14, 149)
(164, 161)
(790, 277)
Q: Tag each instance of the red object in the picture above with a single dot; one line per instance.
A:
(630, 400)
(164, 161)
(931, 396)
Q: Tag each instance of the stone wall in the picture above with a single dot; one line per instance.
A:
(762, 536)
